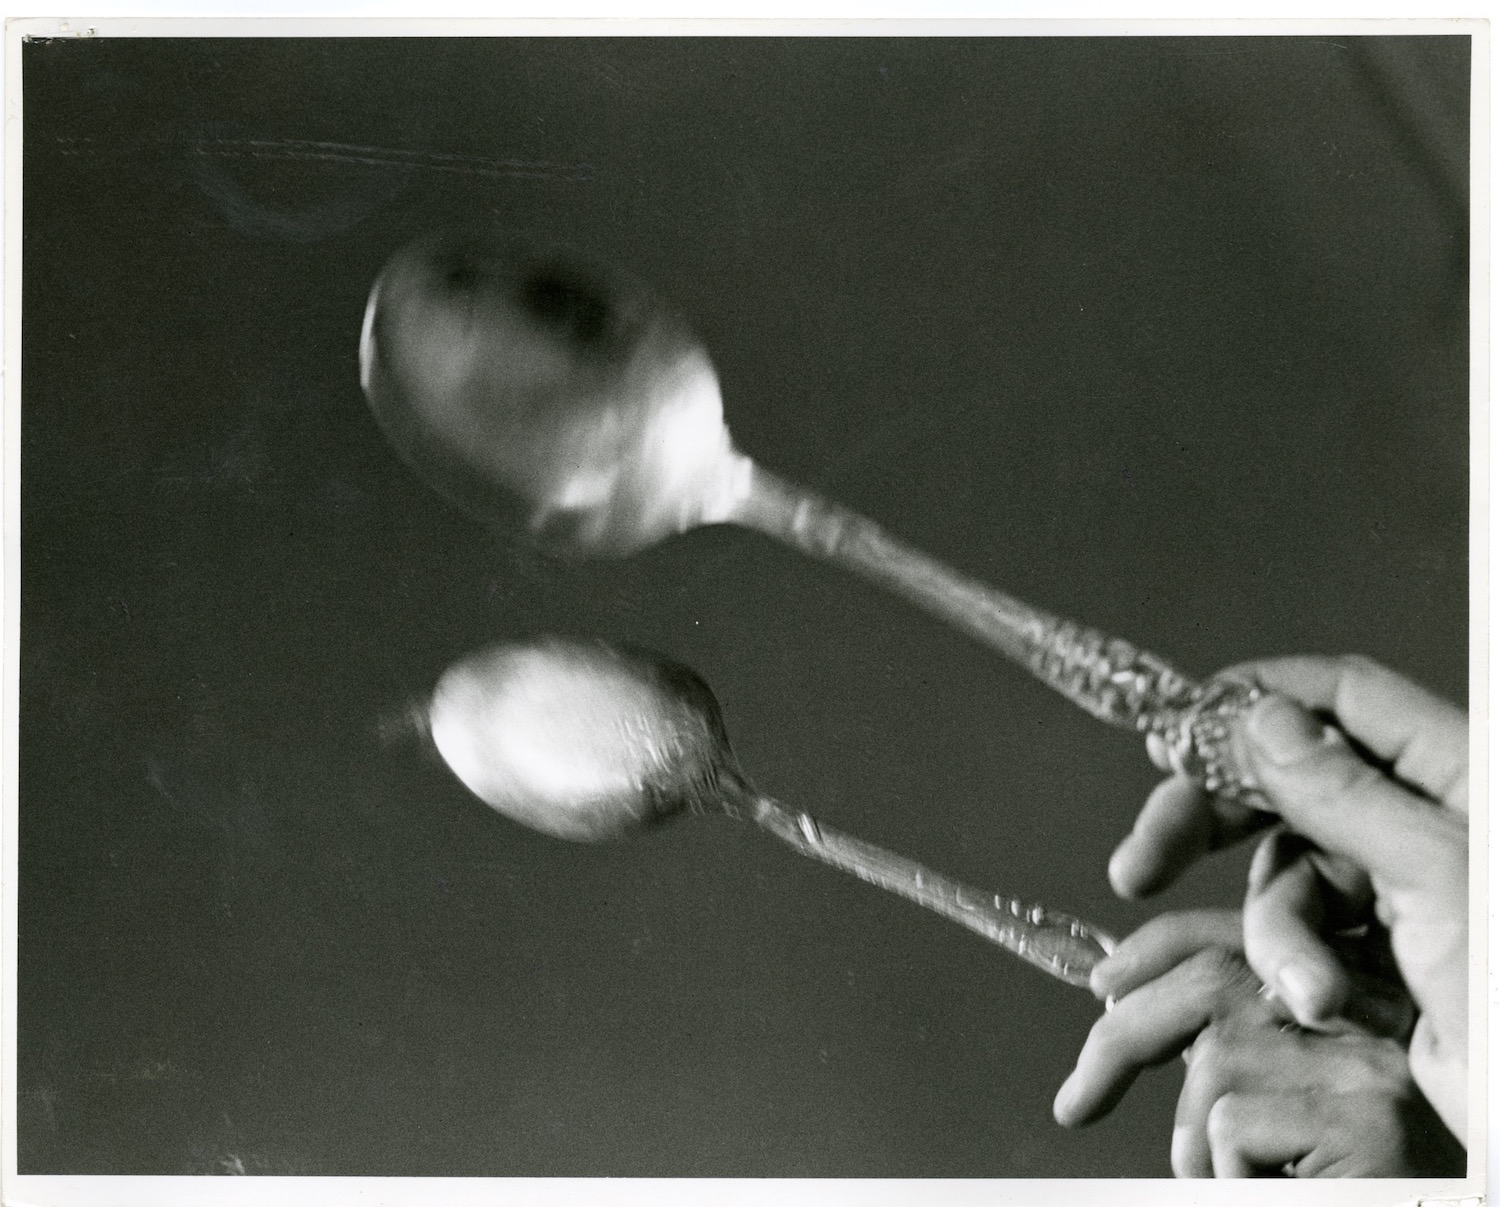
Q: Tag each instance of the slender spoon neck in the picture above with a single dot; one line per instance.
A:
(1059, 944)
(1113, 679)
(800, 517)
(730, 495)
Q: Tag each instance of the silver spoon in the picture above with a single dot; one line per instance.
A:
(586, 742)
(529, 386)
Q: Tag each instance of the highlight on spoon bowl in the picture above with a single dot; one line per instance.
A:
(577, 739)
(533, 387)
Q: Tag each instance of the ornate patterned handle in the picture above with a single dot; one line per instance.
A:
(1106, 676)
(1200, 739)
(1119, 683)
(1058, 944)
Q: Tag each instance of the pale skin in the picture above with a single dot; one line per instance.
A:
(1261, 1095)
(1381, 811)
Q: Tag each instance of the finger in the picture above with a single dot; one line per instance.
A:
(1147, 1027)
(1225, 1058)
(1424, 738)
(1348, 896)
(1282, 920)
(1441, 1070)
(1174, 827)
(1163, 943)
(1350, 884)
(1272, 854)
(1357, 949)
(1216, 1065)
(1242, 1051)
(1249, 1133)
(1158, 752)
(1327, 793)
(1385, 1133)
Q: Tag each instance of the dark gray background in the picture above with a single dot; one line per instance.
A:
(1167, 335)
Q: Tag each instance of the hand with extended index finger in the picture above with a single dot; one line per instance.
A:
(1161, 986)
(1382, 803)
(1170, 980)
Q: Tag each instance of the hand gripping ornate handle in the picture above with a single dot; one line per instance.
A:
(1059, 944)
(1107, 676)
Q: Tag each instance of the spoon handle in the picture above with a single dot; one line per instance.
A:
(1107, 676)
(1058, 944)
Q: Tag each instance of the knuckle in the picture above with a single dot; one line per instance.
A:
(1359, 675)
(1230, 979)
(1355, 665)
(1214, 966)
(1345, 775)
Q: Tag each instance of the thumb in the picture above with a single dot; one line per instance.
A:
(1326, 792)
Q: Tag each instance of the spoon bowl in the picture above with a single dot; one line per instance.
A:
(579, 740)
(528, 385)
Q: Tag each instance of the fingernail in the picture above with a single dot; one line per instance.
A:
(1305, 988)
(1285, 732)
